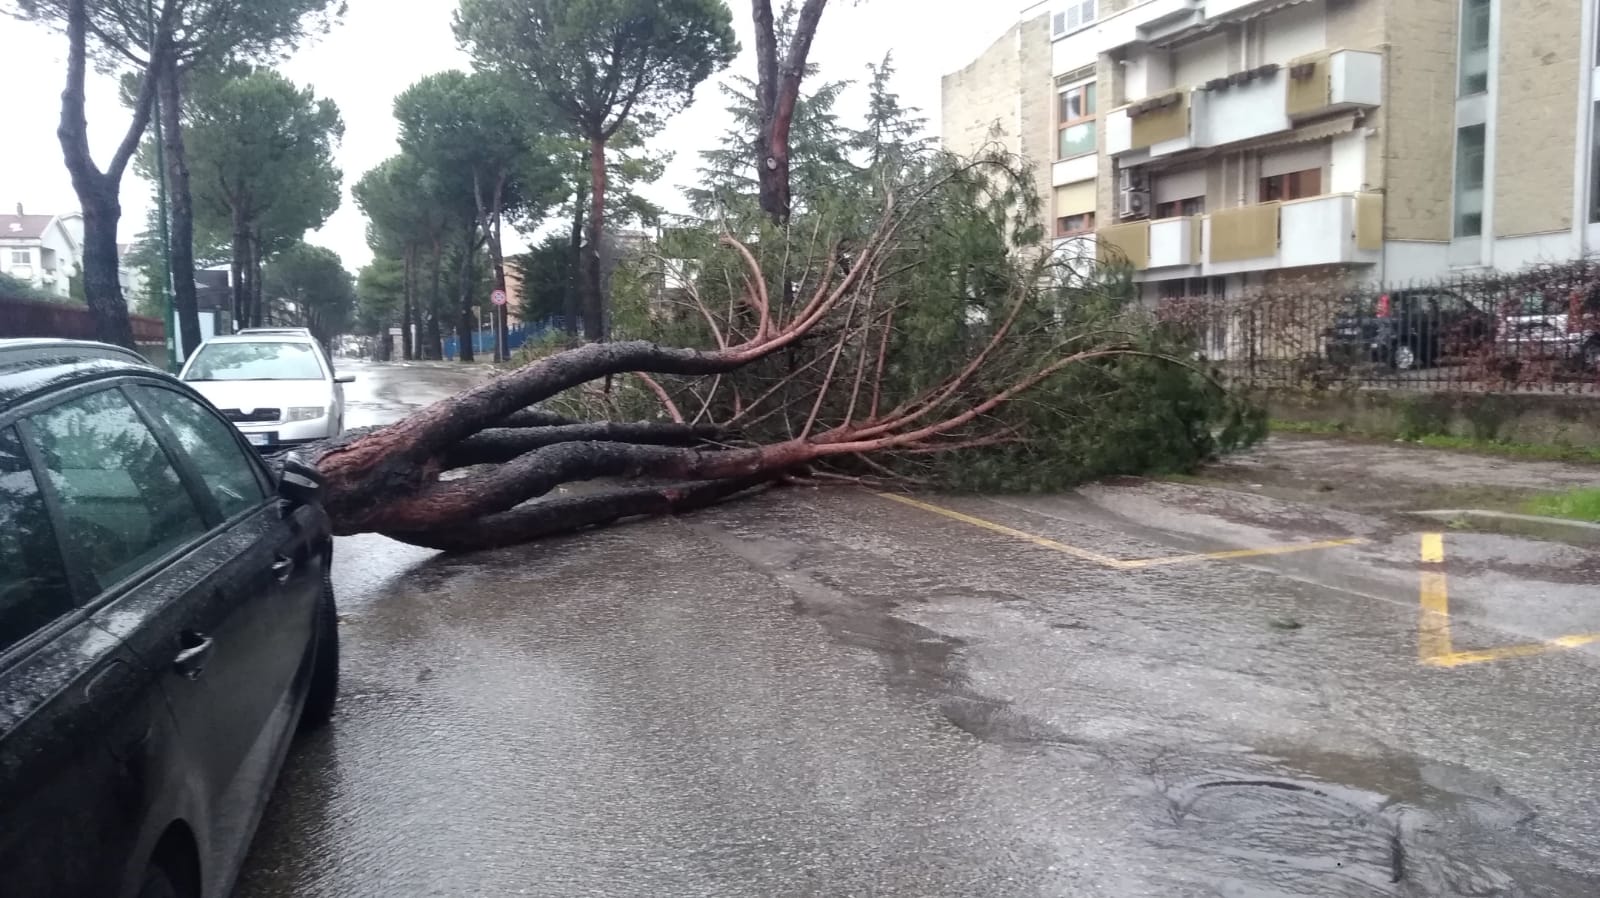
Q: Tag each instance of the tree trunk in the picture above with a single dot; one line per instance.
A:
(97, 191)
(777, 91)
(594, 306)
(572, 306)
(240, 262)
(184, 298)
(102, 288)
(465, 301)
(435, 341)
(258, 310)
(408, 321)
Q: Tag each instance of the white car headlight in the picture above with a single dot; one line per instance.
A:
(305, 412)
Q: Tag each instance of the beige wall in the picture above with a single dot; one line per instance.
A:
(979, 103)
(1537, 95)
(1420, 81)
(1004, 99)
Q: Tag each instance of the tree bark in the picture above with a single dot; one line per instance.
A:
(572, 308)
(464, 298)
(409, 316)
(98, 191)
(181, 208)
(777, 91)
(433, 347)
(594, 317)
(239, 264)
(258, 310)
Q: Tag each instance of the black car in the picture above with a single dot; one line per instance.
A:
(1408, 329)
(166, 624)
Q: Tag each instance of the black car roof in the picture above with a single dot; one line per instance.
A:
(31, 366)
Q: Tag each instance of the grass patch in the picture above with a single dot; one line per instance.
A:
(1578, 505)
(1540, 451)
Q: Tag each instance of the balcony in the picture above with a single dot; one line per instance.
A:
(1158, 124)
(1269, 99)
(1175, 241)
(1334, 80)
(1337, 229)
(1124, 243)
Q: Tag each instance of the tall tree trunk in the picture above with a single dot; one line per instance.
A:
(465, 301)
(777, 91)
(102, 288)
(258, 309)
(466, 319)
(408, 320)
(97, 191)
(594, 306)
(435, 347)
(184, 298)
(239, 263)
(572, 306)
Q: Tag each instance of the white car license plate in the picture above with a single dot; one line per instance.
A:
(258, 439)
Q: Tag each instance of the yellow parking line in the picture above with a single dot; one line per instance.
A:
(1074, 551)
(1457, 659)
(1118, 563)
(1433, 622)
(1285, 549)
(1434, 645)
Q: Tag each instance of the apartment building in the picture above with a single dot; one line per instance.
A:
(1218, 144)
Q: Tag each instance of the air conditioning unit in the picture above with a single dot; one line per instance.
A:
(1133, 203)
(1133, 178)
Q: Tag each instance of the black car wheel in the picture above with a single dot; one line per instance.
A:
(324, 689)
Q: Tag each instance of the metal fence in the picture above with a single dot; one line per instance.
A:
(1537, 330)
(483, 341)
(38, 318)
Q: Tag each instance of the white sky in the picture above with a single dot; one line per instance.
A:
(378, 51)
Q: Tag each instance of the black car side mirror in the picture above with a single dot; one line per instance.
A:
(299, 483)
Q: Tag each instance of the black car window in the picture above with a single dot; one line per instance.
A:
(33, 580)
(211, 443)
(122, 504)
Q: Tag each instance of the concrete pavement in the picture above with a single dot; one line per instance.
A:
(1141, 689)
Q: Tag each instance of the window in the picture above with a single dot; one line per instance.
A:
(256, 361)
(1078, 14)
(1182, 288)
(1594, 164)
(210, 442)
(1292, 186)
(1469, 182)
(122, 504)
(1072, 225)
(1194, 205)
(21, 257)
(1075, 107)
(1474, 47)
(33, 578)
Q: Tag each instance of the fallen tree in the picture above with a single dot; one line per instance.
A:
(849, 343)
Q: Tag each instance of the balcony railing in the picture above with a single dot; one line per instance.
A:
(1336, 229)
(1127, 243)
(1266, 100)
(1176, 241)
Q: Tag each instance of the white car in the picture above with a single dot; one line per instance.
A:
(277, 387)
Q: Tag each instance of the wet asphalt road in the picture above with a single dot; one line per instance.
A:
(831, 693)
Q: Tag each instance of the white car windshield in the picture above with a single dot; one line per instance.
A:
(256, 361)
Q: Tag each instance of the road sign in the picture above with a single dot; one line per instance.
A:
(498, 297)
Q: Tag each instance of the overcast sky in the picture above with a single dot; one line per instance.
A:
(379, 50)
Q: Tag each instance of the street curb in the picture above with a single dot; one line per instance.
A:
(1454, 513)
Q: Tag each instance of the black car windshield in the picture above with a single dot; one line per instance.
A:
(256, 361)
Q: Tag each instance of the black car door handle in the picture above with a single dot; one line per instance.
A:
(283, 568)
(191, 659)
